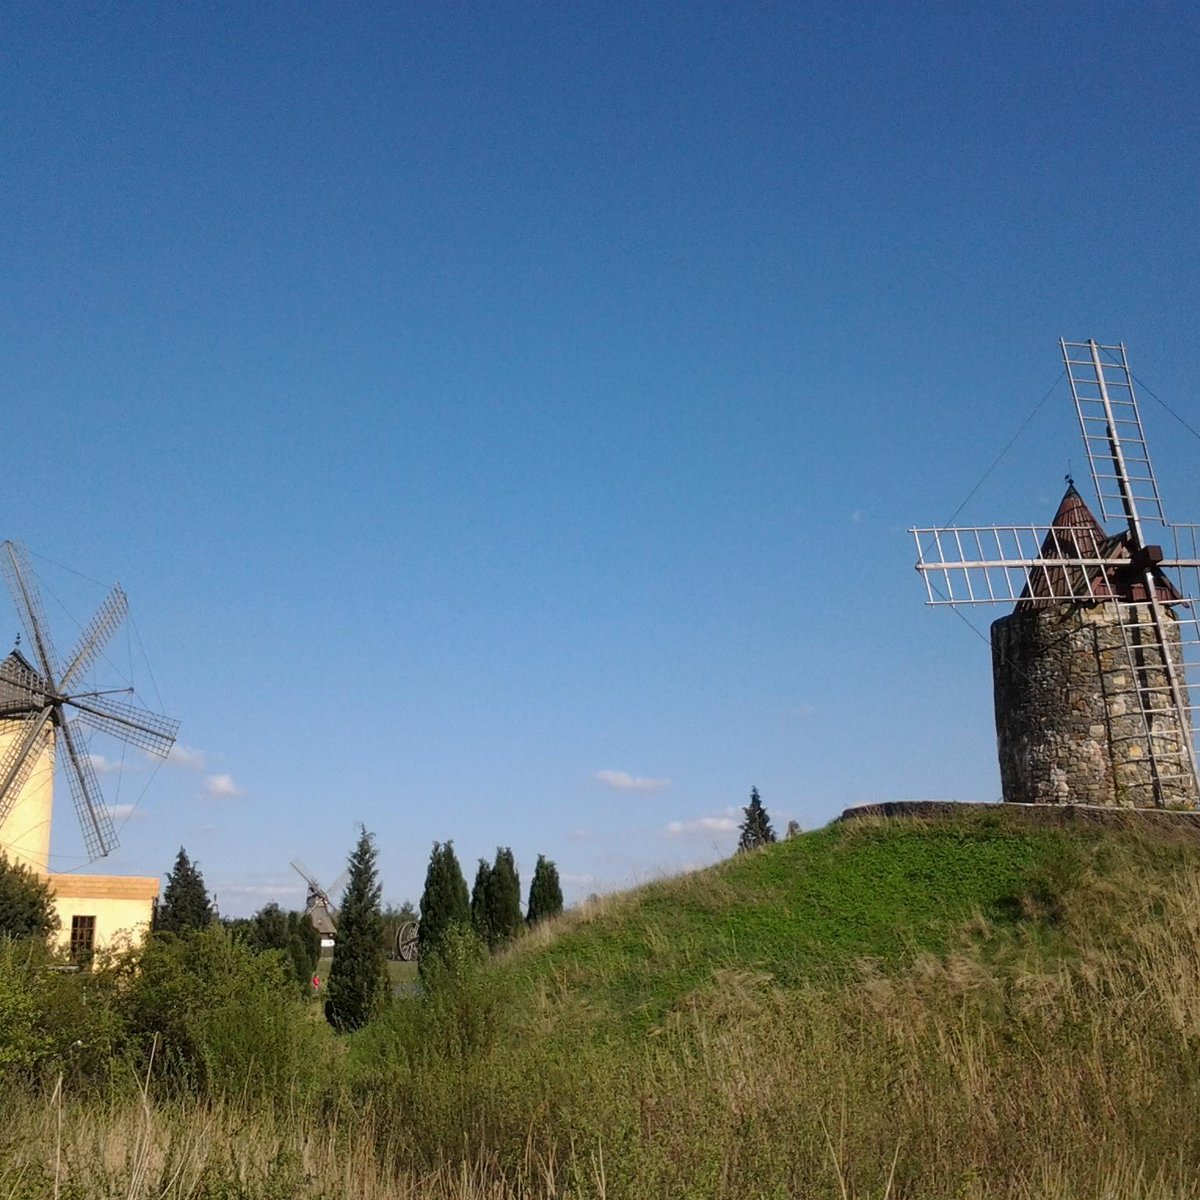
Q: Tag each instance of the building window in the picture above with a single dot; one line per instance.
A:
(83, 938)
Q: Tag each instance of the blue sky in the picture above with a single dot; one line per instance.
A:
(505, 419)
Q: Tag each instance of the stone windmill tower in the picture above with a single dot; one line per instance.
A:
(1091, 666)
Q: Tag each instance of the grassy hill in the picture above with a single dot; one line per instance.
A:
(986, 1003)
(855, 895)
(990, 1003)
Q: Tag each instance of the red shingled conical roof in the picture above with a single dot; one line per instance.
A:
(1075, 533)
(1074, 514)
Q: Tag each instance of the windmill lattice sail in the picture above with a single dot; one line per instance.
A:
(43, 710)
(1092, 666)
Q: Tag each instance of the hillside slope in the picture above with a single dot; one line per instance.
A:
(985, 1004)
(821, 906)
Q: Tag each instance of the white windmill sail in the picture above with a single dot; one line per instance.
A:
(1073, 562)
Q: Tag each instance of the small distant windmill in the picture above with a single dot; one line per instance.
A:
(318, 907)
(43, 703)
(1091, 669)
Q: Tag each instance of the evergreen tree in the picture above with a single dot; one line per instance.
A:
(444, 901)
(503, 899)
(755, 829)
(480, 914)
(358, 978)
(545, 892)
(304, 946)
(185, 902)
(26, 903)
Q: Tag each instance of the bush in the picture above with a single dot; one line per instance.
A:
(26, 903)
(23, 1043)
(221, 1018)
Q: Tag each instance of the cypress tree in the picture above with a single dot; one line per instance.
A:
(755, 829)
(358, 978)
(185, 905)
(26, 903)
(481, 917)
(444, 901)
(304, 945)
(545, 892)
(503, 899)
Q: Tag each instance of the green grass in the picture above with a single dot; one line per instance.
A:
(992, 1004)
(815, 907)
(402, 975)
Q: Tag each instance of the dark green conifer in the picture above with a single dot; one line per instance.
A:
(503, 899)
(444, 901)
(480, 913)
(545, 892)
(755, 829)
(358, 978)
(304, 946)
(185, 904)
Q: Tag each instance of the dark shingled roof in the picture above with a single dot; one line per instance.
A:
(20, 686)
(1075, 533)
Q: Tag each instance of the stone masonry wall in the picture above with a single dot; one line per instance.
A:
(1069, 726)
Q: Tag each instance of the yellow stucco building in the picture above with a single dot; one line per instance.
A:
(95, 911)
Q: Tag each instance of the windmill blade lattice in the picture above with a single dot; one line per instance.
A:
(97, 635)
(1111, 425)
(138, 726)
(42, 702)
(14, 563)
(95, 821)
(20, 759)
(1073, 562)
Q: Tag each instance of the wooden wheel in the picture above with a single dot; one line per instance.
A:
(406, 942)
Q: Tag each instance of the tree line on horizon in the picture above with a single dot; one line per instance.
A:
(358, 982)
(454, 924)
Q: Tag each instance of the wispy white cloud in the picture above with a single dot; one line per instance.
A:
(803, 710)
(701, 825)
(858, 516)
(622, 781)
(102, 765)
(260, 889)
(119, 812)
(186, 757)
(582, 835)
(221, 786)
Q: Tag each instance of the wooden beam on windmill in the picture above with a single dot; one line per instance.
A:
(1091, 669)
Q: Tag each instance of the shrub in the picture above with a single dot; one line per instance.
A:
(222, 1017)
(23, 1043)
(26, 903)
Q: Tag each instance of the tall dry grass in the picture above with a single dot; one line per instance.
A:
(1000, 1070)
